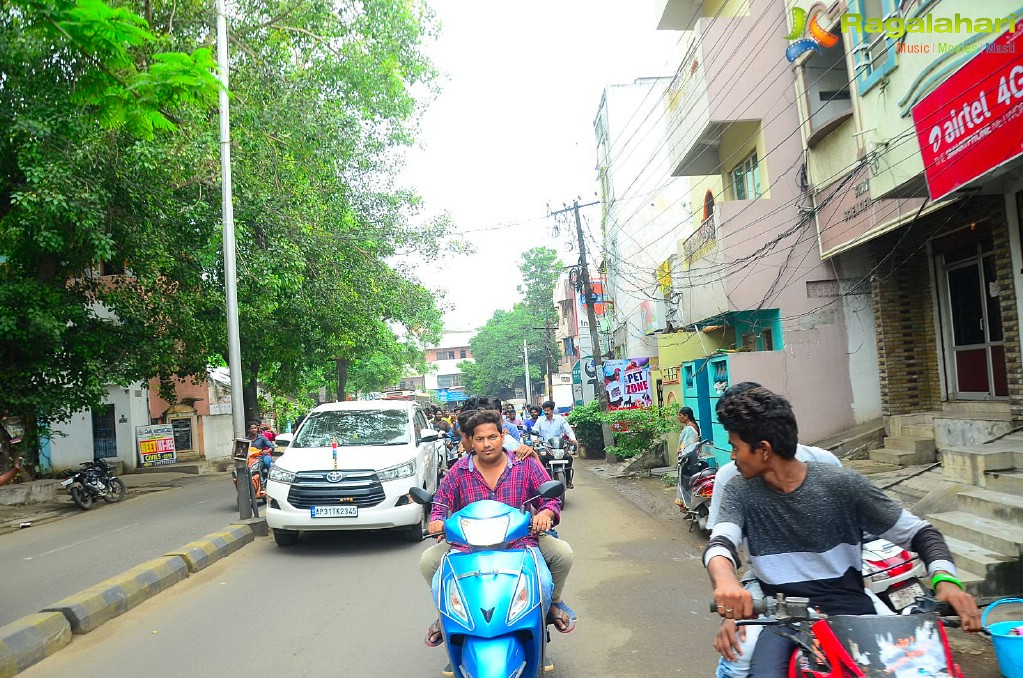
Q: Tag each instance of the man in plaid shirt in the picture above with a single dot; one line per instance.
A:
(490, 472)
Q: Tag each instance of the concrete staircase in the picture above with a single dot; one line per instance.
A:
(910, 441)
(985, 529)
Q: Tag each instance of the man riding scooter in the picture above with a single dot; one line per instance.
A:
(489, 471)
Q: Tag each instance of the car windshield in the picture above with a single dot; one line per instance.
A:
(353, 427)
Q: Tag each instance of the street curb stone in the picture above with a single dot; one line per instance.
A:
(31, 639)
(94, 606)
(202, 553)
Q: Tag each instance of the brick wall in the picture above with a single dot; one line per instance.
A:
(902, 290)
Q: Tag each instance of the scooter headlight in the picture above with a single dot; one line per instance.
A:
(520, 600)
(485, 532)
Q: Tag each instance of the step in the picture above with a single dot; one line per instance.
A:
(919, 431)
(993, 535)
(975, 584)
(969, 465)
(999, 575)
(911, 443)
(992, 504)
(970, 556)
(187, 467)
(901, 457)
(1004, 481)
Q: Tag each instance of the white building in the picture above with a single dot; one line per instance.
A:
(444, 379)
(645, 210)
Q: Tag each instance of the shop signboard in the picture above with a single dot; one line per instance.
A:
(972, 123)
(156, 444)
(628, 383)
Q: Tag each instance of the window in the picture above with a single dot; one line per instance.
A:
(449, 380)
(746, 179)
(462, 353)
(873, 53)
(451, 355)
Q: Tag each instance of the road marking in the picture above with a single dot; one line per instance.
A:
(79, 543)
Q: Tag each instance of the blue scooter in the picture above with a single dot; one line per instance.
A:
(493, 601)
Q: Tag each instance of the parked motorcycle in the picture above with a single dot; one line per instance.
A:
(892, 573)
(493, 601)
(93, 481)
(695, 481)
(911, 644)
(255, 465)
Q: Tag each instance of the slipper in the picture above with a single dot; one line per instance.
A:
(561, 621)
(563, 606)
(433, 635)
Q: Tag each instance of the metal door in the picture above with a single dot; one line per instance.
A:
(974, 327)
(104, 432)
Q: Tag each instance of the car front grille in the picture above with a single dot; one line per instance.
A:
(357, 488)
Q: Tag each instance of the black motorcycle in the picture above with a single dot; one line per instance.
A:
(91, 482)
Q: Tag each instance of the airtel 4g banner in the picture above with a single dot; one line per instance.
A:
(973, 122)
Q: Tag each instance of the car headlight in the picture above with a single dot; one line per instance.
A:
(406, 470)
(280, 475)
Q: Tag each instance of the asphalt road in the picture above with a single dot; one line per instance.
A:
(43, 564)
(354, 604)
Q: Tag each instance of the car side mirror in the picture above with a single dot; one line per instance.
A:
(552, 489)
(428, 436)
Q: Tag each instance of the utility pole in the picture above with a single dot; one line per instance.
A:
(525, 360)
(246, 499)
(548, 328)
(591, 316)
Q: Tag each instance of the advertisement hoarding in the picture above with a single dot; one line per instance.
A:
(155, 444)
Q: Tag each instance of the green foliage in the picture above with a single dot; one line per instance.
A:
(636, 431)
(586, 422)
(109, 160)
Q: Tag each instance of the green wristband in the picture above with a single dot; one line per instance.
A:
(940, 577)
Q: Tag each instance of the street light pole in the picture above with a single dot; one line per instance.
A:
(525, 360)
(234, 350)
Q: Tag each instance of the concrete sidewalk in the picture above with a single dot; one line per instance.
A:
(47, 501)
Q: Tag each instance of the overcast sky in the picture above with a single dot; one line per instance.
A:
(512, 128)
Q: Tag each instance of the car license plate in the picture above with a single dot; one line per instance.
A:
(905, 597)
(67, 482)
(334, 511)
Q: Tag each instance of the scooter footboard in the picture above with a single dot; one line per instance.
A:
(493, 657)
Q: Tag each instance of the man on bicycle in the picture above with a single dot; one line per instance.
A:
(803, 524)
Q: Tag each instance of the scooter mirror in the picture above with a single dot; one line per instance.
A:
(552, 489)
(421, 496)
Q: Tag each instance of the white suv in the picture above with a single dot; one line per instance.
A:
(350, 467)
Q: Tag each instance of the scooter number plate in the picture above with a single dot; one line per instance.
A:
(67, 482)
(334, 511)
(906, 596)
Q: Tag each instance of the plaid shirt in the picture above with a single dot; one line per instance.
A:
(464, 484)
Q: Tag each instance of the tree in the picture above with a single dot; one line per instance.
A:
(497, 347)
(109, 164)
(89, 104)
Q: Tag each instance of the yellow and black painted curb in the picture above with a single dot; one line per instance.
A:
(202, 553)
(31, 639)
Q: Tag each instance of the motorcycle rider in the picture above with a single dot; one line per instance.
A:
(555, 426)
(261, 442)
(489, 471)
(833, 506)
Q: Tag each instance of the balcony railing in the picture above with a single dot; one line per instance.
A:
(701, 241)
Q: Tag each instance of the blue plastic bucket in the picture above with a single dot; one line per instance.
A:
(1008, 648)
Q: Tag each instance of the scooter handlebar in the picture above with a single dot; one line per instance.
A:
(760, 606)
